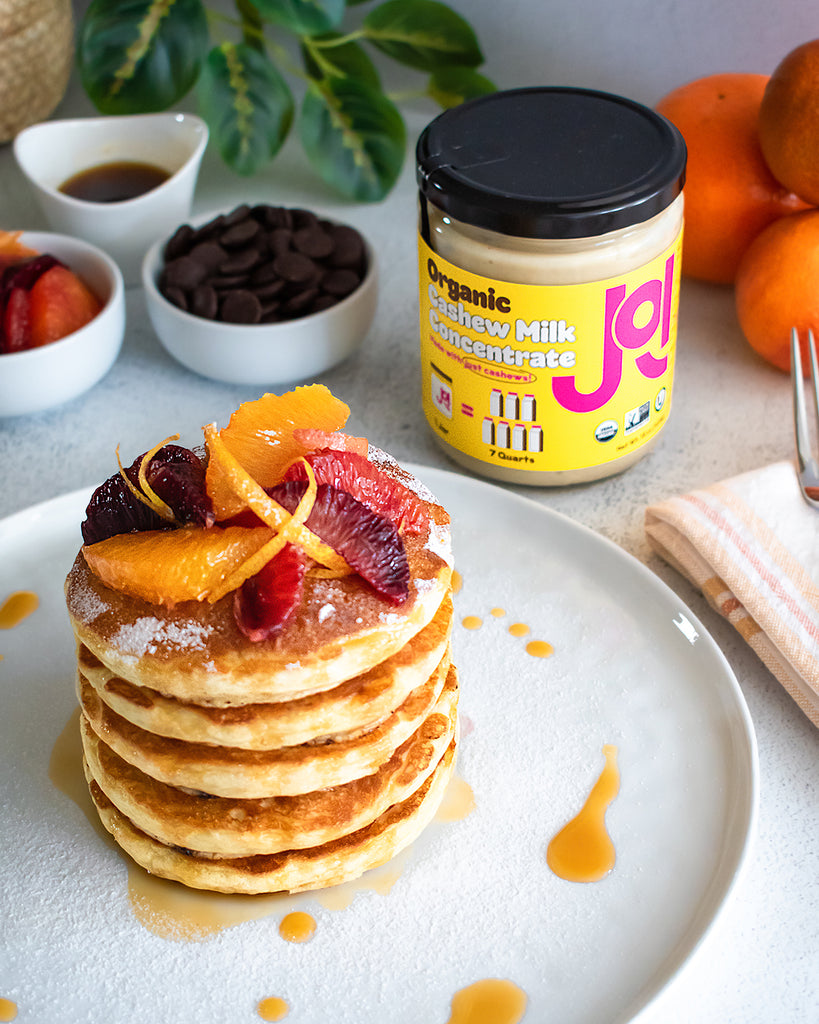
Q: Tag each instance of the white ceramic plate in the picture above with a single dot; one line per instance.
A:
(474, 898)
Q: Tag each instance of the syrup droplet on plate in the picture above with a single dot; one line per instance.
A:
(8, 1009)
(458, 802)
(490, 1001)
(540, 649)
(17, 607)
(498, 613)
(582, 851)
(272, 1008)
(297, 927)
(471, 622)
(518, 629)
(457, 581)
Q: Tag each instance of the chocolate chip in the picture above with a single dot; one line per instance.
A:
(324, 302)
(184, 272)
(241, 307)
(224, 282)
(313, 242)
(176, 296)
(340, 282)
(239, 214)
(240, 235)
(179, 242)
(301, 301)
(204, 302)
(269, 289)
(241, 262)
(264, 274)
(294, 266)
(209, 253)
(348, 247)
(280, 240)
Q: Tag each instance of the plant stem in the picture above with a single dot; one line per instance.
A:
(351, 37)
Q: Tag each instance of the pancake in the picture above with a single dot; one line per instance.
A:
(358, 704)
(195, 652)
(243, 827)
(335, 862)
(253, 774)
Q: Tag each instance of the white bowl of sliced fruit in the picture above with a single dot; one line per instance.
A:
(62, 319)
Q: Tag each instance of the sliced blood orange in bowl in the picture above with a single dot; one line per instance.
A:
(169, 566)
(260, 436)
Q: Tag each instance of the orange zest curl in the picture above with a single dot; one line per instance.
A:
(145, 493)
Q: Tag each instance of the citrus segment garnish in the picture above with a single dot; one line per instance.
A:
(247, 493)
(169, 566)
(312, 439)
(265, 603)
(350, 472)
(367, 540)
(288, 533)
(260, 436)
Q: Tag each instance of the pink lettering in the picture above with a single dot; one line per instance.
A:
(622, 332)
(565, 389)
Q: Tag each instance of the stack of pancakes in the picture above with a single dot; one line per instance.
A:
(282, 765)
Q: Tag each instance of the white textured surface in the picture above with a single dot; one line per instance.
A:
(731, 413)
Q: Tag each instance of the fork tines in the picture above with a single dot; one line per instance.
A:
(807, 464)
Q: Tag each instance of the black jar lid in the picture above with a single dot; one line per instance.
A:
(551, 162)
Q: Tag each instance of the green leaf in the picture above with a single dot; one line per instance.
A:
(247, 104)
(347, 60)
(138, 56)
(354, 137)
(423, 34)
(304, 17)
(454, 85)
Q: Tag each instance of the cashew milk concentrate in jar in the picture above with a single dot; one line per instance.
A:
(550, 236)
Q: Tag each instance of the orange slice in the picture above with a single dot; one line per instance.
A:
(168, 566)
(244, 492)
(260, 436)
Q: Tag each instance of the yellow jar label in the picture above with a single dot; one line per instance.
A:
(548, 377)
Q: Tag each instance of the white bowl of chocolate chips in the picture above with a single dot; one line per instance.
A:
(261, 294)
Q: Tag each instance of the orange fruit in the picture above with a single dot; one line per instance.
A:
(169, 566)
(260, 436)
(777, 287)
(789, 121)
(730, 193)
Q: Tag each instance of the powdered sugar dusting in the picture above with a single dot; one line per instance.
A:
(440, 541)
(146, 634)
(86, 605)
(386, 462)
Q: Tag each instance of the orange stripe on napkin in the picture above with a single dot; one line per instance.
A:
(751, 544)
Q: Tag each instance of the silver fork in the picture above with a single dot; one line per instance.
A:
(807, 464)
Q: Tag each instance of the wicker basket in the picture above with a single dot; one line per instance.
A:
(36, 57)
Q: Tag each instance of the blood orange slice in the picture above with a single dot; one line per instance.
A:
(348, 471)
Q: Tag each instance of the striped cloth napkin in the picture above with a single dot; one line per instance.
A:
(751, 544)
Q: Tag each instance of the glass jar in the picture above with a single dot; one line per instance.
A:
(550, 233)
